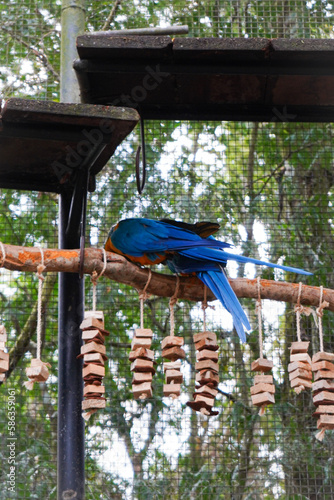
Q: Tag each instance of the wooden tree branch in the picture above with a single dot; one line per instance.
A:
(121, 270)
(111, 16)
(39, 54)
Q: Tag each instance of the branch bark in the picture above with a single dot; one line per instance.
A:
(39, 54)
(111, 16)
(121, 270)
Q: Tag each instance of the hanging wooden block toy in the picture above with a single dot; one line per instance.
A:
(4, 356)
(263, 390)
(300, 368)
(93, 352)
(141, 356)
(38, 370)
(323, 385)
(173, 351)
(207, 377)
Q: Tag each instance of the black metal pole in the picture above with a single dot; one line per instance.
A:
(71, 449)
(71, 445)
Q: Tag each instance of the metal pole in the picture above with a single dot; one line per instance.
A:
(72, 25)
(71, 448)
(166, 30)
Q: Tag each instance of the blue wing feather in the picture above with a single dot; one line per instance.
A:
(146, 236)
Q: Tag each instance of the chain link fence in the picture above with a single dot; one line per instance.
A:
(269, 185)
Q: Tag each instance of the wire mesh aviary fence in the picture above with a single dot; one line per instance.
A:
(269, 186)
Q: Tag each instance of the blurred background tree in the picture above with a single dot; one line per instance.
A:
(269, 185)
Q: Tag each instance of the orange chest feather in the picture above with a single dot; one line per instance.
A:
(144, 260)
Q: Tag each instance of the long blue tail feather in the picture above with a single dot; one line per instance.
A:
(221, 256)
(221, 288)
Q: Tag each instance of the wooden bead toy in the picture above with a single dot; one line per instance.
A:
(142, 353)
(93, 352)
(323, 391)
(142, 391)
(205, 340)
(141, 356)
(207, 377)
(93, 319)
(142, 363)
(4, 356)
(172, 350)
(263, 390)
(36, 372)
(173, 353)
(323, 386)
(300, 368)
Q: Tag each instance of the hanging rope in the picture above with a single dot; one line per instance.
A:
(204, 307)
(40, 276)
(299, 310)
(144, 296)
(258, 309)
(262, 394)
(94, 277)
(172, 302)
(93, 367)
(320, 313)
(38, 370)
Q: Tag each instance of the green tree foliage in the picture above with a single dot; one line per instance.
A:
(269, 186)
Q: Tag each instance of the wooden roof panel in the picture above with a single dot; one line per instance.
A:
(44, 144)
(209, 78)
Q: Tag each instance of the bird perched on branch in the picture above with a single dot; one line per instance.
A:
(186, 249)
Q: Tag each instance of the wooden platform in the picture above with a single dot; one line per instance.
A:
(44, 144)
(209, 78)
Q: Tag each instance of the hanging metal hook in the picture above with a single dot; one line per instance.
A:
(141, 182)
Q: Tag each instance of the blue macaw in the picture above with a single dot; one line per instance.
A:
(185, 248)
